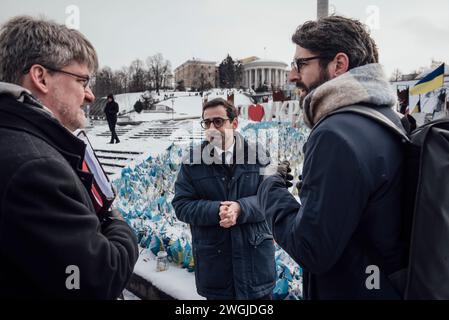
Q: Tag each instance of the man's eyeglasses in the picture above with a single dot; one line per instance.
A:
(301, 62)
(85, 80)
(218, 122)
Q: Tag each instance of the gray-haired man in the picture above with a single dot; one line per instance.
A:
(52, 243)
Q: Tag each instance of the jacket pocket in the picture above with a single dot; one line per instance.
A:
(214, 267)
(263, 263)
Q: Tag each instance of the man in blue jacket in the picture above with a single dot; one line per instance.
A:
(232, 245)
(346, 233)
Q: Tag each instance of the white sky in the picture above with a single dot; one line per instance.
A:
(410, 33)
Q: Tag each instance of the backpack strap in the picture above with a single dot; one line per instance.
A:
(409, 123)
(375, 115)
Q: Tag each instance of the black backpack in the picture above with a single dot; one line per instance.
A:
(425, 202)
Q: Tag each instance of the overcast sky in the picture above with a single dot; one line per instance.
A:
(409, 34)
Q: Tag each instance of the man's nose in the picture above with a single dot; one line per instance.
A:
(294, 76)
(89, 95)
(212, 126)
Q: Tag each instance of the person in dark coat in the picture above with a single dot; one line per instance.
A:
(346, 231)
(216, 194)
(52, 243)
(111, 110)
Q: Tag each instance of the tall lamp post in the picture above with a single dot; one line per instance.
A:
(172, 108)
(322, 8)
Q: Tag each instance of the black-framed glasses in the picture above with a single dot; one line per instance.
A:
(301, 62)
(85, 80)
(218, 122)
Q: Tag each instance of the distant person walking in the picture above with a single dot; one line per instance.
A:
(111, 111)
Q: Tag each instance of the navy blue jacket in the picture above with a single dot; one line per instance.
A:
(350, 217)
(234, 263)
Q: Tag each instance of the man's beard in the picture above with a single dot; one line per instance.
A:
(72, 119)
(305, 90)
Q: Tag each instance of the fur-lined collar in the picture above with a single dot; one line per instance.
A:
(363, 85)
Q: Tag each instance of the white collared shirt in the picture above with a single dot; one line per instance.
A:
(229, 153)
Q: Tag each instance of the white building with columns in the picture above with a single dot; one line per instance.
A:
(261, 71)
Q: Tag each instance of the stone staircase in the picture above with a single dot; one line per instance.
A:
(113, 161)
(154, 132)
(119, 131)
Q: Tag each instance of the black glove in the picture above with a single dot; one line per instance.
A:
(110, 215)
(284, 171)
(299, 184)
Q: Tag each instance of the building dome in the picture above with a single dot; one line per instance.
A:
(259, 72)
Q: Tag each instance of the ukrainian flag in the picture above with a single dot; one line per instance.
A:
(432, 81)
(417, 108)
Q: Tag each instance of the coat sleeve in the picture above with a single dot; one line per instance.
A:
(47, 230)
(189, 208)
(250, 212)
(333, 196)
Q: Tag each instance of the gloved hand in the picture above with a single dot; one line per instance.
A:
(299, 184)
(284, 170)
(112, 214)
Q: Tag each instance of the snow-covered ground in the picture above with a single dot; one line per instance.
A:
(184, 103)
(150, 133)
(175, 281)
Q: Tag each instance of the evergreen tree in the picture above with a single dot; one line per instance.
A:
(230, 73)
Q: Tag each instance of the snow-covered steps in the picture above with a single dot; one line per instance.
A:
(187, 134)
(114, 160)
(156, 130)
(156, 133)
(119, 131)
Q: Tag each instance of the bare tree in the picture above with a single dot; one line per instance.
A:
(134, 78)
(202, 83)
(138, 78)
(180, 86)
(397, 75)
(104, 82)
(159, 70)
(123, 79)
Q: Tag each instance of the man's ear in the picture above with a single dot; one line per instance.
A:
(235, 123)
(339, 65)
(38, 78)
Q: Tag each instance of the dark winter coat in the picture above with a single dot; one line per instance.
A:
(346, 233)
(234, 263)
(350, 212)
(111, 110)
(47, 221)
